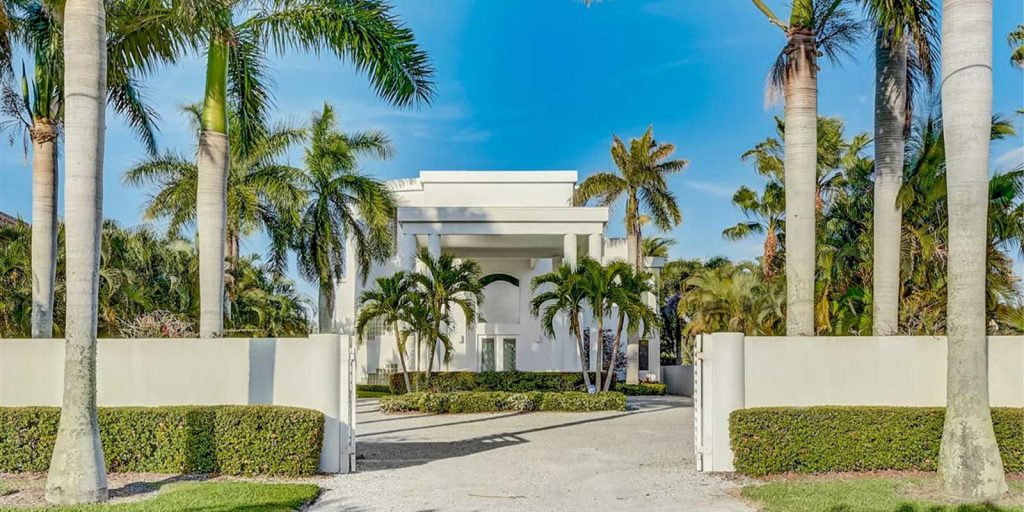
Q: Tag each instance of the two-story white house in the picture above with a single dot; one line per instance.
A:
(516, 225)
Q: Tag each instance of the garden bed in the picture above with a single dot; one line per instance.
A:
(499, 401)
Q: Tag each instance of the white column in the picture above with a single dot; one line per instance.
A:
(595, 247)
(595, 356)
(569, 249)
(331, 394)
(724, 371)
(407, 251)
(434, 245)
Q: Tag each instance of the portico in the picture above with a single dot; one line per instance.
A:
(517, 225)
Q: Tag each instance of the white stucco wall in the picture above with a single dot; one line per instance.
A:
(307, 372)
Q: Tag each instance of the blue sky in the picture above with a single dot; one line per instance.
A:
(544, 84)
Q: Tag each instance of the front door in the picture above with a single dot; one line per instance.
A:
(497, 353)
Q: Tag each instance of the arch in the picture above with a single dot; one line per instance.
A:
(490, 278)
(501, 299)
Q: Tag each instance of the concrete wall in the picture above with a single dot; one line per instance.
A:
(679, 379)
(742, 372)
(311, 373)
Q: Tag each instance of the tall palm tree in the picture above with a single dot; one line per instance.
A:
(363, 31)
(77, 473)
(390, 303)
(657, 247)
(643, 167)
(814, 26)
(635, 316)
(262, 189)
(448, 284)
(969, 461)
(765, 215)
(562, 294)
(598, 283)
(139, 38)
(1016, 42)
(905, 32)
(342, 204)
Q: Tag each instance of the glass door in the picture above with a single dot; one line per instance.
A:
(508, 354)
(488, 362)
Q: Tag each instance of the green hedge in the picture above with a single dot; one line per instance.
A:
(229, 440)
(373, 388)
(500, 401)
(513, 382)
(642, 389)
(833, 439)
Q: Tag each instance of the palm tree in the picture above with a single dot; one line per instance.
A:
(598, 283)
(341, 204)
(657, 247)
(77, 473)
(139, 38)
(905, 32)
(448, 284)
(364, 31)
(635, 315)
(389, 303)
(814, 26)
(969, 461)
(641, 181)
(563, 295)
(766, 215)
(1016, 42)
(262, 190)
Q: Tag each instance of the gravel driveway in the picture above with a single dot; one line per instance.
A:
(637, 460)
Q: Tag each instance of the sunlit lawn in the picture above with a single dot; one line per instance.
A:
(869, 494)
(209, 497)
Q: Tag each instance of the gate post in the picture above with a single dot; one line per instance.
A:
(723, 393)
(332, 392)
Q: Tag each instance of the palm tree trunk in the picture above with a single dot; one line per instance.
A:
(600, 349)
(77, 474)
(634, 242)
(969, 460)
(325, 308)
(801, 114)
(579, 344)
(401, 358)
(890, 122)
(44, 226)
(211, 206)
(615, 353)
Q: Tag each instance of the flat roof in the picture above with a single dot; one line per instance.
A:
(498, 176)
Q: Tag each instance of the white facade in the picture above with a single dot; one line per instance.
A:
(516, 225)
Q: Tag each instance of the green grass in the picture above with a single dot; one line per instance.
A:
(869, 494)
(371, 394)
(209, 497)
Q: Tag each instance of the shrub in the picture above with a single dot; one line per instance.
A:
(833, 439)
(500, 401)
(230, 440)
(515, 382)
(374, 388)
(642, 389)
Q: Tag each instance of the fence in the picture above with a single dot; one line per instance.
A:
(315, 373)
(734, 371)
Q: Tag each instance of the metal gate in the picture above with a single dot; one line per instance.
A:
(698, 401)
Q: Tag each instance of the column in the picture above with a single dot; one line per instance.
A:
(569, 249)
(724, 372)
(595, 247)
(434, 245)
(406, 251)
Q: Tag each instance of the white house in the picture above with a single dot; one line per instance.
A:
(517, 225)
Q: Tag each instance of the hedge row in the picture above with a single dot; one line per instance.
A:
(642, 389)
(834, 439)
(229, 440)
(513, 382)
(500, 401)
(373, 388)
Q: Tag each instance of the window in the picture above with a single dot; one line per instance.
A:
(645, 360)
(487, 361)
(508, 355)
(375, 329)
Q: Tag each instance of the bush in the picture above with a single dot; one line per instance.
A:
(514, 382)
(229, 440)
(500, 401)
(642, 389)
(833, 439)
(374, 388)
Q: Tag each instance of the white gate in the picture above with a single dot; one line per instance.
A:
(698, 401)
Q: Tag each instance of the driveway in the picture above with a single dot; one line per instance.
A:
(641, 459)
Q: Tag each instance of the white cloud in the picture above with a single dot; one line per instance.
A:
(1010, 159)
(715, 189)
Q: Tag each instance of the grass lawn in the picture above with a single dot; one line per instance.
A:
(867, 494)
(209, 497)
(371, 394)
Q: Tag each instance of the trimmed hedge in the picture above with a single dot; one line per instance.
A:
(513, 382)
(642, 389)
(374, 388)
(834, 439)
(229, 440)
(499, 401)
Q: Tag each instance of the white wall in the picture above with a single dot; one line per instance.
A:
(297, 372)
(742, 372)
